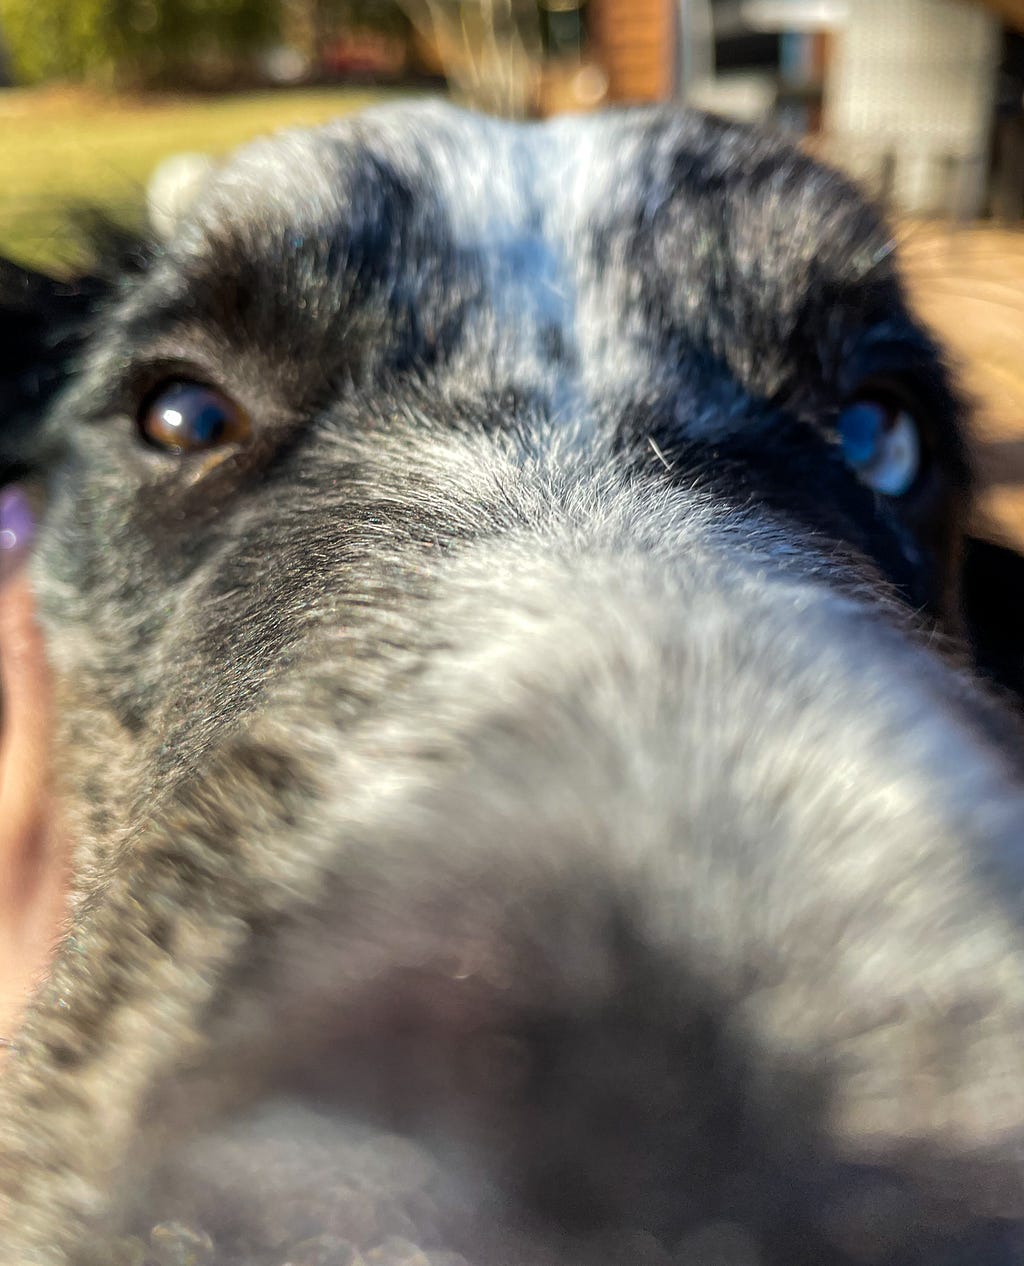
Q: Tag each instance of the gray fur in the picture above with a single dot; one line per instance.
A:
(534, 743)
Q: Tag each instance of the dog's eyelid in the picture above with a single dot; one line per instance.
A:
(143, 378)
(907, 367)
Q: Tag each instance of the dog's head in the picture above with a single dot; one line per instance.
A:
(551, 542)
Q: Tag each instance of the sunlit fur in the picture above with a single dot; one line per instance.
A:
(533, 741)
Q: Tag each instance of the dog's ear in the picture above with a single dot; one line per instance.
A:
(42, 323)
(993, 596)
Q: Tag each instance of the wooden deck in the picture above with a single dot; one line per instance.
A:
(968, 285)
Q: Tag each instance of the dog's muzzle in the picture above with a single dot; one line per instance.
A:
(648, 866)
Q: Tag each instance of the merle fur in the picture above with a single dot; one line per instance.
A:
(535, 741)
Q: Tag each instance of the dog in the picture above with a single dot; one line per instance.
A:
(535, 746)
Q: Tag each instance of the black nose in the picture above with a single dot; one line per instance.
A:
(996, 1243)
(983, 1243)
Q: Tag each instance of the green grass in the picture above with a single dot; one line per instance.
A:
(65, 150)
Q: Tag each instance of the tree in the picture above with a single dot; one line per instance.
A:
(69, 39)
(134, 41)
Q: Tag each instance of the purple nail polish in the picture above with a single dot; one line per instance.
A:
(16, 525)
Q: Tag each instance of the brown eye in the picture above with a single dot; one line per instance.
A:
(188, 417)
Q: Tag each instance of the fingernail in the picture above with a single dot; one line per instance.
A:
(16, 528)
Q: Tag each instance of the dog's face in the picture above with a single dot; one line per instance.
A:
(396, 324)
(496, 564)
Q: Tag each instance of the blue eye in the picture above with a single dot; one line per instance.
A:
(188, 417)
(882, 443)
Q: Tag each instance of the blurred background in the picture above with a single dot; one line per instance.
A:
(921, 100)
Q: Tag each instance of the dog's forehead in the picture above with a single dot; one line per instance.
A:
(592, 250)
(487, 178)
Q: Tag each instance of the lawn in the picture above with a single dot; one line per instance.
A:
(61, 149)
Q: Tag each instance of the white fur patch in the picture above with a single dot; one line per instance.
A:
(173, 188)
(524, 198)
